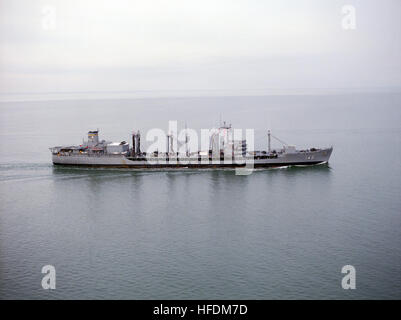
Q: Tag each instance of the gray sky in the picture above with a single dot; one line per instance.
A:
(237, 46)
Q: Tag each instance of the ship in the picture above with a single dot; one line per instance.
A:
(222, 153)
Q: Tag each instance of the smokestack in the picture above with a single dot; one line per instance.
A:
(133, 144)
(138, 147)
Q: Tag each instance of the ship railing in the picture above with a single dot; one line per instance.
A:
(86, 154)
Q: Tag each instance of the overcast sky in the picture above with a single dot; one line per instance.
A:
(204, 46)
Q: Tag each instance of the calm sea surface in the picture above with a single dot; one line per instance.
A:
(277, 233)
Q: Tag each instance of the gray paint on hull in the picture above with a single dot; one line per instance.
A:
(191, 166)
(120, 161)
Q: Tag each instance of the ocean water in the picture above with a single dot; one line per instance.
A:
(187, 234)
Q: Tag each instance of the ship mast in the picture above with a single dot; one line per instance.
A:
(186, 141)
(168, 145)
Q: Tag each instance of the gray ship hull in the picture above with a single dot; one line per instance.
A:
(122, 161)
